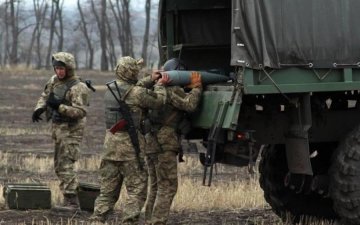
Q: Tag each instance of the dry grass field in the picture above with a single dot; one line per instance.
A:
(26, 156)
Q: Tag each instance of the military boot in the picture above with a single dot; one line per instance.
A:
(71, 203)
(96, 219)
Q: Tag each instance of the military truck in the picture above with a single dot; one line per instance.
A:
(294, 70)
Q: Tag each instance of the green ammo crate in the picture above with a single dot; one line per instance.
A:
(87, 194)
(27, 196)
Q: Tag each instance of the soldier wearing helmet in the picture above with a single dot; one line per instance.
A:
(164, 145)
(119, 163)
(65, 100)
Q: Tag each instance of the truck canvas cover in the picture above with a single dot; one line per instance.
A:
(306, 33)
(197, 29)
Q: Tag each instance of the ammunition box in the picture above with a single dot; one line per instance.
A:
(27, 196)
(87, 194)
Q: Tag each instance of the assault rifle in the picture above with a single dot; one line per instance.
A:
(89, 85)
(127, 120)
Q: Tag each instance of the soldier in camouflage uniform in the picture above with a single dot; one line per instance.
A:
(119, 163)
(64, 100)
(162, 167)
(152, 149)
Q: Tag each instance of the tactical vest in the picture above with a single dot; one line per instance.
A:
(168, 115)
(112, 113)
(60, 94)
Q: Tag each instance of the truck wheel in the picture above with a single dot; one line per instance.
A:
(288, 205)
(345, 178)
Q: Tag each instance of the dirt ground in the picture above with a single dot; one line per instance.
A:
(19, 92)
(244, 217)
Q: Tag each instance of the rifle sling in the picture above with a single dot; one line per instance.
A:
(170, 118)
(127, 93)
(132, 138)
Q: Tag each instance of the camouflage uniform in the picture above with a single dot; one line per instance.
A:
(163, 168)
(152, 149)
(119, 162)
(68, 121)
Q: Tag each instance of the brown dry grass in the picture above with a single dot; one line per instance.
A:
(8, 131)
(239, 193)
(34, 163)
(235, 195)
(221, 196)
(191, 195)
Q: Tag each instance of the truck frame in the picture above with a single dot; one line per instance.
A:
(302, 111)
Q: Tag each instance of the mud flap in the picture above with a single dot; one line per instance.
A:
(27, 196)
(297, 138)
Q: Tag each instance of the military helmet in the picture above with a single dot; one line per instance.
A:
(127, 68)
(64, 59)
(174, 64)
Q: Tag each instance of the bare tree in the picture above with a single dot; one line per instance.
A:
(121, 12)
(6, 44)
(1, 48)
(153, 45)
(127, 27)
(40, 8)
(38, 37)
(37, 17)
(59, 9)
(56, 15)
(83, 27)
(2, 24)
(146, 33)
(13, 19)
(101, 22)
(119, 24)
(52, 31)
(14, 32)
(112, 52)
(105, 25)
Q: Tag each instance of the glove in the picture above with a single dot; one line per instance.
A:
(36, 115)
(164, 79)
(53, 102)
(155, 75)
(195, 80)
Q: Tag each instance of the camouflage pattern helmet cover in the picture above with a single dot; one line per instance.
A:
(127, 68)
(65, 57)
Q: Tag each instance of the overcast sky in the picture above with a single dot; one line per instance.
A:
(73, 3)
(134, 3)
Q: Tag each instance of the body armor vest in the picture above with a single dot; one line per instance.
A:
(60, 94)
(168, 115)
(112, 113)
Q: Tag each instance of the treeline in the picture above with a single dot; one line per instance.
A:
(97, 32)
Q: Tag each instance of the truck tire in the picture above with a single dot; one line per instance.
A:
(345, 178)
(288, 205)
